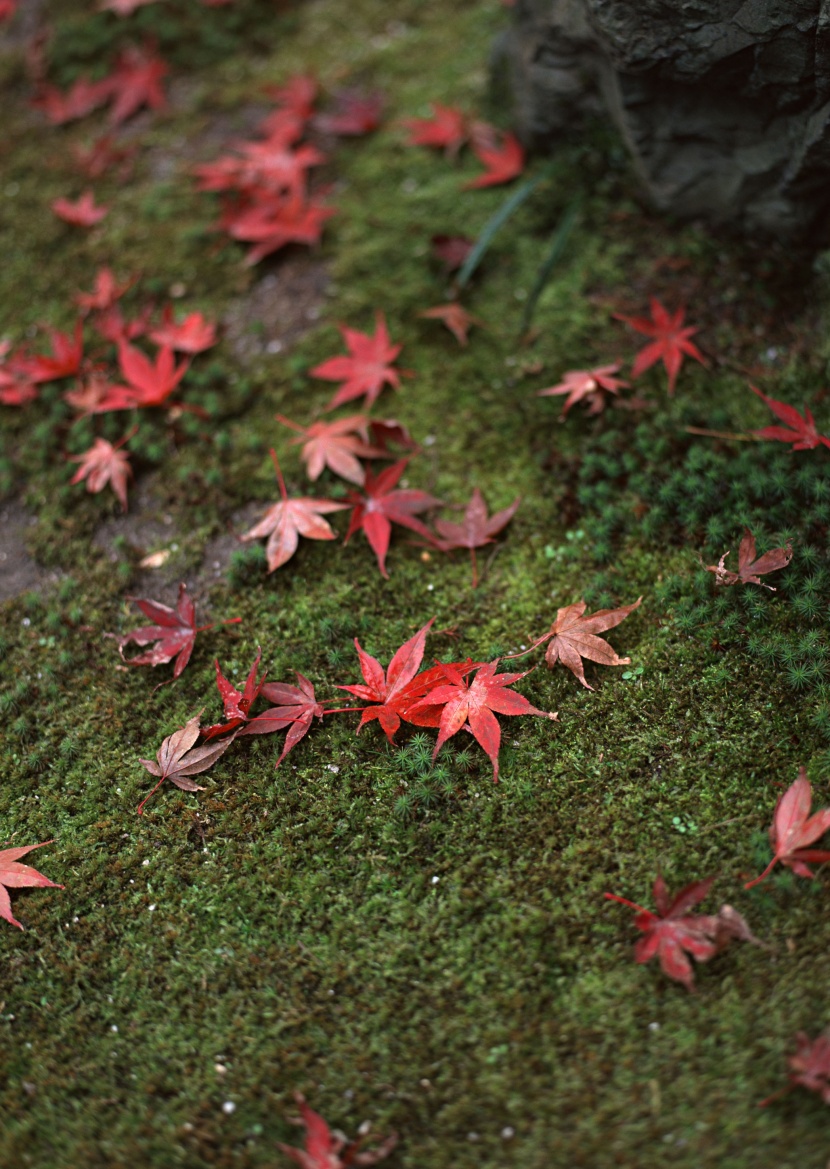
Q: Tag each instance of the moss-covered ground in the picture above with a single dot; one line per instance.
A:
(411, 945)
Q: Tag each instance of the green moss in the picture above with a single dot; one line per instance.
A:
(404, 940)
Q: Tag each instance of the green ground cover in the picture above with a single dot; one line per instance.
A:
(402, 942)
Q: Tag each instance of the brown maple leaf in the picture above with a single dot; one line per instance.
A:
(793, 829)
(573, 637)
(476, 530)
(750, 569)
(286, 521)
(455, 317)
(178, 759)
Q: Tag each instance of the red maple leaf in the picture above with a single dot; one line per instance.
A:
(111, 324)
(323, 1148)
(237, 703)
(455, 317)
(800, 430)
(80, 213)
(105, 293)
(97, 395)
(272, 165)
(476, 530)
(79, 100)
(296, 708)
(366, 370)
(7, 9)
(272, 225)
(586, 385)
(446, 129)
(793, 829)
(388, 691)
(573, 636)
(149, 383)
(174, 630)
(65, 361)
(284, 522)
(382, 505)
(15, 388)
(104, 463)
(673, 930)
(470, 706)
(298, 94)
(337, 445)
(671, 341)
(192, 335)
(136, 82)
(177, 759)
(750, 569)
(452, 250)
(353, 115)
(102, 154)
(810, 1067)
(503, 158)
(16, 876)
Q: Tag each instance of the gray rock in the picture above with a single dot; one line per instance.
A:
(724, 105)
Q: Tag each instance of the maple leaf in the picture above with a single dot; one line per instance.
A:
(104, 463)
(286, 521)
(586, 385)
(671, 341)
(323, 1147)
(298, 94)
(750, 569)
(273, 225)
(97, 158)
(504, 160)
(367, 368)
(382, 505)
(136, 82)
(149, 383)
(793, 829)
(15, 388)
(574, 637)
(455, 317)
(673, 930)
(111, 324)
(174, 630)
(80, 213)
(296, 708)
(476, 530)
(271, 165)
(67, 354)
(192, 335)
(7, 9)
(388, 431)
(98, 396)
(470, 706)
(337, 445)
(810, 1067)
(800, 430)
(452, 250)
(236, 703)
(16, 876)
(388, 690)
(178, 759)
(105, 293)
(446, 129)
(354, 114)
(79, 100)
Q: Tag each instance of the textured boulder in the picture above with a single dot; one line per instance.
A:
(723, 104)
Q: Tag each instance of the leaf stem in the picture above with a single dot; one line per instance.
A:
(280, 479)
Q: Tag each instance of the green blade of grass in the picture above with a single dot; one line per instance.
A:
(491, 227)
(557, 246)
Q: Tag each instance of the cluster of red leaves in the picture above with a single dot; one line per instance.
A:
(145, 383)
(265, 180)
(325, 1149)
(673, 932)
(449, 129)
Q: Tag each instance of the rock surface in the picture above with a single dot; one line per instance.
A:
(723, 104)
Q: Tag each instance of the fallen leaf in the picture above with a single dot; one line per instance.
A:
(106, 292)
(476, 530)
(446, 130)
(149, 383)
(136, 82)
(80, 213)
(793, 828)
(809, 1067)
(353, 114)
(17, 876)
(387, 690)
(337, 445)
(65, 361)
(383, 504)
(455, 317)
(192, 335)
(367, 368)
(671, 341)
(236, 703)
(586, 385)
(323, 1147)
(296, 708)
(286, 521)
(503, 159)
(452, 250)
(750, 569)
(574, 637)
(175, 631)
(104, 463)
(79, 100)
(178, 759)
(800, 430)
